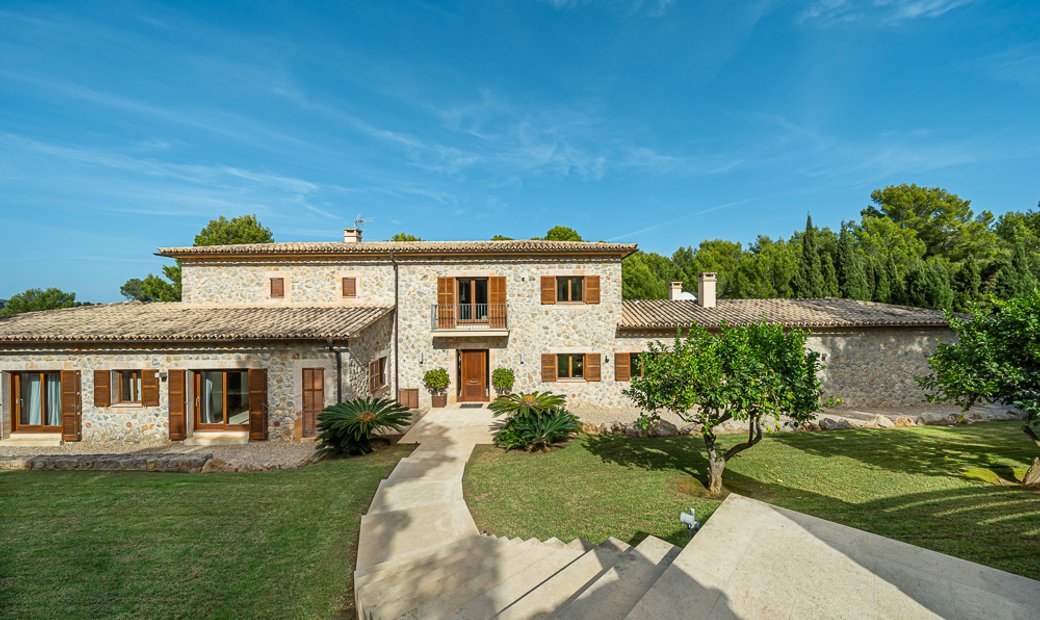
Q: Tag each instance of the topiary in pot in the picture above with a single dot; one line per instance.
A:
(348, 427)
(436, 381)
(502, 379)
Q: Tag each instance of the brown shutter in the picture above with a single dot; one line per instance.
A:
(372, 378)
(445, 303)
(71, 410)
(497, 302)
(622, 366)
(9, 413)
(177, 393)
(548, 367)
(313, 399)
(592, 289)
(102, 388)
(257, 403)
(592, 367)
(548, 290)
(149, 388)
(277, 287)
(408, 398)
(350, 287)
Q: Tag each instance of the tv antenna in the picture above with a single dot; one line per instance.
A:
(358, 221)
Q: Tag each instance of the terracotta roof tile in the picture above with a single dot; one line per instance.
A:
(405, 248)
(159, 322)
(660, 314)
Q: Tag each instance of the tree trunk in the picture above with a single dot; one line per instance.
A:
(716, 465)
(1032, 478)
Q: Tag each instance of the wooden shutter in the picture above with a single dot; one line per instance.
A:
(408, 398)
(313, 399)
(548, 367)
(277, 287)
(71, 410)
(548, 290)
(257, 403)
(178, 408)
(9, 413)
(445, 303)
(102, 388)
(592, 289)
(149, 388)
(622, 366)
(350, 287)
(592, 367)
(497, 302)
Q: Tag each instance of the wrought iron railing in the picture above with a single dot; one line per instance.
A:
(470, 316)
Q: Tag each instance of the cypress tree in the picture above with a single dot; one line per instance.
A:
(852, 272)
(896, 288)
(808, 280)
(830, 277)
(967, 284)
(1015, 278)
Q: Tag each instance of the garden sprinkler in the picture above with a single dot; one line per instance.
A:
(690, 521)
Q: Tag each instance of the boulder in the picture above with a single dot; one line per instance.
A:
(833, 424)
(590, 428)
(903, 421)
(883, 422)
(214, 464)
(662, 428)
(689, 429)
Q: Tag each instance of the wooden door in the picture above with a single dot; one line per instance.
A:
(313, 399)
(473, 376)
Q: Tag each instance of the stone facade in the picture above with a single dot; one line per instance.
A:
(306, 282)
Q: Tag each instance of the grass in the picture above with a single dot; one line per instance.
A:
(919, 485)
(262, 545)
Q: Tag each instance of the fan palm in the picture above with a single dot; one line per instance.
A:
(348, 427)
(523, 404)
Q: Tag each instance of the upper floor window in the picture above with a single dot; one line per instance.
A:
(570, 289)
(349, 286)
(570, 366)
(277, 287)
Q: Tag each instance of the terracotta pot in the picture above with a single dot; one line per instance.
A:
(440, 400)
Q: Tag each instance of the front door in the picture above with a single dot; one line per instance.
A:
(473, 376)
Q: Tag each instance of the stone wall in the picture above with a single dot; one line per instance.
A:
(306, 282)
(151, 424)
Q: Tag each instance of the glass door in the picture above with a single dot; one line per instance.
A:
(37, 402)
(222, 399)
(473, 299)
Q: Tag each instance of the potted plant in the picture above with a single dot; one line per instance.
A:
(436, 380)
(502, 379)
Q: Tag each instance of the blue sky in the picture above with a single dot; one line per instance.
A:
(127, 126)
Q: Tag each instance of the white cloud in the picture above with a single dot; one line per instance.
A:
(875, 12)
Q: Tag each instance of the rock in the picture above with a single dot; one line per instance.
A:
(883, 422)
(689, 429)
(662, 428)
(590, 428)
(832, 424)
(809, 426)
(903, 421)
(617, 428)
(214, 464)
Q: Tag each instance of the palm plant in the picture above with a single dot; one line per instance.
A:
(523, 404)
(537, 432)
(348, 427)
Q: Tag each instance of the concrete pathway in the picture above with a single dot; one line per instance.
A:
(420, 556)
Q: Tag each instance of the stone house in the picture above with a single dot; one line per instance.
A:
(267, 335)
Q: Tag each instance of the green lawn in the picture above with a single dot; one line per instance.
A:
(99, 545)
(906, 484)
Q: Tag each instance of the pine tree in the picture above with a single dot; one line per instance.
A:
(852, 272)
(808, 280)
(967, 284)
(1015, 278)
(831, 288)
(928, 286)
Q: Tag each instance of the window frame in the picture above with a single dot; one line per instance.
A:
(16, 403)
(197, 401)
(137, 385)
(570, 290)
(381, 381)
(281, 286)
(570, 367)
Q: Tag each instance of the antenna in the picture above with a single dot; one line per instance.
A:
(358, 221)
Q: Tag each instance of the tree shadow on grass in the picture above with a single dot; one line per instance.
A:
(679, 453)
(933, 451)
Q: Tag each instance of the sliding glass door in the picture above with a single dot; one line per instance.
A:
(222, 399)
(37, 402)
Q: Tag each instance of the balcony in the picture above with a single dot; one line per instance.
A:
(465, 319)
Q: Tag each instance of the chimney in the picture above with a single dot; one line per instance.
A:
(706, 290)
(675, 290)
(351, 235)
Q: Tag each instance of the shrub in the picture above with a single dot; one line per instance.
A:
(523, 404)
(347, 428)
(436, 380)
(502, 379)
(536, 431)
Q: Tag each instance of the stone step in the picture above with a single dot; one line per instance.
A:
(491, 575)
(389, 598)
(492, 601)
(217, 438)
(617, 591)
(429, 469)
(558, 589)
(32, 440)
(405, 493)
(441, 554)
(387, 535)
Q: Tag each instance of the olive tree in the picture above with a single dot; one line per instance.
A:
(995, 359)
(750, 373)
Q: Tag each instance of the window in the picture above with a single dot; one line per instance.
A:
(377, 375)
(570, 366)
(128, 386)
(277, 287)
(222, 398)
(349, 287)
(569, 289)
(37, 401)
